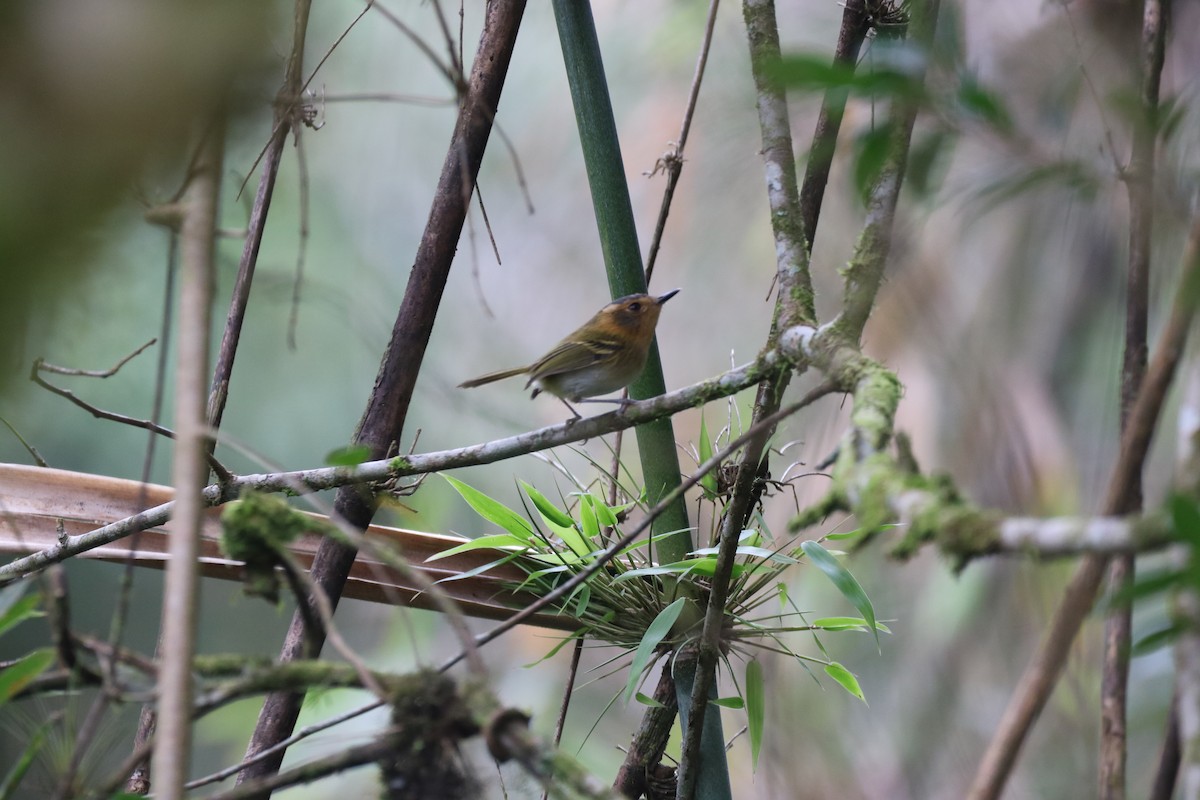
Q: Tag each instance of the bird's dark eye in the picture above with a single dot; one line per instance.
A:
(635, 306)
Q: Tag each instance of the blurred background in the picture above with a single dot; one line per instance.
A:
(1001, 313)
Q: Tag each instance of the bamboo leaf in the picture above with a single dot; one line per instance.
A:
(494, 541)
(755, 708)
(846, 624)
(845, 678)
(548, 510)
(844, 581)
(656, 631)
(17, 676)
(492, 510)
(646, 700)
(348, 456)
(709, 482)
(587, 518)
(15, 609)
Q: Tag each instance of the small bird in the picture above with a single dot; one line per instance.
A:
(606, 354)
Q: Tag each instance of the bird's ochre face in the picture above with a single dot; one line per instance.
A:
(636, 313)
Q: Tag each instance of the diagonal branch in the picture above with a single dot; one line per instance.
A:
(1044, 668)
(383, 420)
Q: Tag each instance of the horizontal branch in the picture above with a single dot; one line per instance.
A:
(312, 480)
(963, 532)
(882, 490)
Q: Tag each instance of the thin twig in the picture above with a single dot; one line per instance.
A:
(112, 416)
(37, 457)
(1118, 625)
(449, 72)
(568, 689)
(139, 778)
(98, 413)
(301, 245)
(282, 746)
(309, 772)
(88, 373)
(388, 97)
(286, 103)
(672, 161)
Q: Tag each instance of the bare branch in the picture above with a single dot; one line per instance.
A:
(403, 466)
(172, 748)
(671, 162)
(43, 366)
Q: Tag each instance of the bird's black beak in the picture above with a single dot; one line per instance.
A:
(662, 298)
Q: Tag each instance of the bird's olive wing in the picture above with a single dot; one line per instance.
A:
(570, 355)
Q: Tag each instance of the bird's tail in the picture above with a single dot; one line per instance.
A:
(492, 376)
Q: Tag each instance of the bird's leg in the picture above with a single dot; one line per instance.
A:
(571, 408)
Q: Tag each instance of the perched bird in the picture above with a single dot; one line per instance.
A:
(606, 354)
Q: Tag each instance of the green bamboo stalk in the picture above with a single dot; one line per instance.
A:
(622, 256)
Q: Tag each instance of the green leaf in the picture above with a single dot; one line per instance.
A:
(1072, 176)
(1157, 640)
(755, 708)
(675, 568)
(492, 510)
(572, 538)
(1185, 517)
(17, 676)
(587, 518)
(349, 456)
(646, 700)
(471, 573)
(927, 159)
(845, 678)
(554, 650)
(846, 624)
(1145, 584)
(606, 514)
(706, 567)
(729, 702)
(750, 552)
(548, 510)
(709, 482)
(656, 631)
(15, 609)
(584, 594)
(985, 105)
(494, 542)
(844, 581)
(817, 72)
